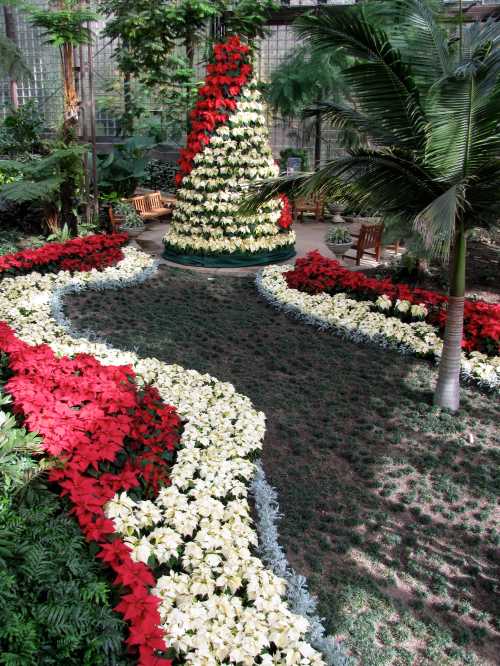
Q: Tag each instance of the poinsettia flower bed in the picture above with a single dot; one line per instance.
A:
(216, 602)
(108, 437)
(315, 274)
(78, 254)
(370, 320)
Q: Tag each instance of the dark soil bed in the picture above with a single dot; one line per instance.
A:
(390, 506)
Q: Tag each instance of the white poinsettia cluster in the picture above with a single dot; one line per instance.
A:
(206, 219)
(415, 310)
(219, 604)
(358, 321)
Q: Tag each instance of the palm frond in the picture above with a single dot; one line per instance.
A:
(381, 83)
(420, 34)
(346, 118)
(379, 181)
(464, 128)
(483, 201)
(12, 166)
(436, 222)
(267, 190)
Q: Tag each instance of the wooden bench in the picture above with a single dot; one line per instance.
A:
(315, 205)
(369, 237)
(151, 206)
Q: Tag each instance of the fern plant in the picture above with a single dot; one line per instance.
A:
(55, 600)
(42, 180)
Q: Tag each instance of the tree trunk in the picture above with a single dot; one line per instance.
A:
(71, 101)
(317, 142)
(69, 126)
(189, 44)
(11, 33)
(447, 392)
(127, 128)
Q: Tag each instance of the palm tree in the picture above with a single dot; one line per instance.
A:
(432, 116)
(66, 26)
(303, 79)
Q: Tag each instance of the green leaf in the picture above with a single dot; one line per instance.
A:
(28, 190)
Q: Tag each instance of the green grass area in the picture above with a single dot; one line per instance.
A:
(390, 505)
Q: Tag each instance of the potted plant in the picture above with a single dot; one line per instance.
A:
(339, 240)
(128, 219)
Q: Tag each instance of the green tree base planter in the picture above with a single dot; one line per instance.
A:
(234, 260)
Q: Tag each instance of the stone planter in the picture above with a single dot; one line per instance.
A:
(339, 249)
(336, 212)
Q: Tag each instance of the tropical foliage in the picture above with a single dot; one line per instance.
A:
(49, 181)
(432, 167)
(121, 170)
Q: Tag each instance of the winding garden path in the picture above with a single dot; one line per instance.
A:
(390, 507)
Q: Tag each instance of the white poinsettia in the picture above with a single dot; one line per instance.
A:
(199, 528)
(358, 321)
(206, 219)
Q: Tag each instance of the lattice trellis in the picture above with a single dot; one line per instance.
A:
(45, 87)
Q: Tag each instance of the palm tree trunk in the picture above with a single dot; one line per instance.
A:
(447, 392)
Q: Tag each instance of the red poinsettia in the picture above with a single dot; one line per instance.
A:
(286, 218)
(315, 274)
(78, 254)
(109, 437)
(228, 72)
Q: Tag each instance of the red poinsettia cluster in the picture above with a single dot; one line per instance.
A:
(78, 254)
(109, 437)
(315, 274)
(286, 218)
(230, 70)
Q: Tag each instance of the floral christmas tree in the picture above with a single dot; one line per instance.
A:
(227, 151)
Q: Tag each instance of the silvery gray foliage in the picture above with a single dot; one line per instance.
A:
(57, 305)
(356, 336)
(272, 554)
(321, 324)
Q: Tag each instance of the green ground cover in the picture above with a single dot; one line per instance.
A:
(390, 506)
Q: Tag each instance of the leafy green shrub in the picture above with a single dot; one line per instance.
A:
(123, 169)
(55, 604)
(129, 218)
(301, 153)
(160, 175)
(21, 131)
(16, 446)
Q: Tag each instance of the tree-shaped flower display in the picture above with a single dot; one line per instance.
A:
(227, 151)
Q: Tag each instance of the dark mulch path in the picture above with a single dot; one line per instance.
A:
(391, 507)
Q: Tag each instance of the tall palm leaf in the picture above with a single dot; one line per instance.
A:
(434, 167)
